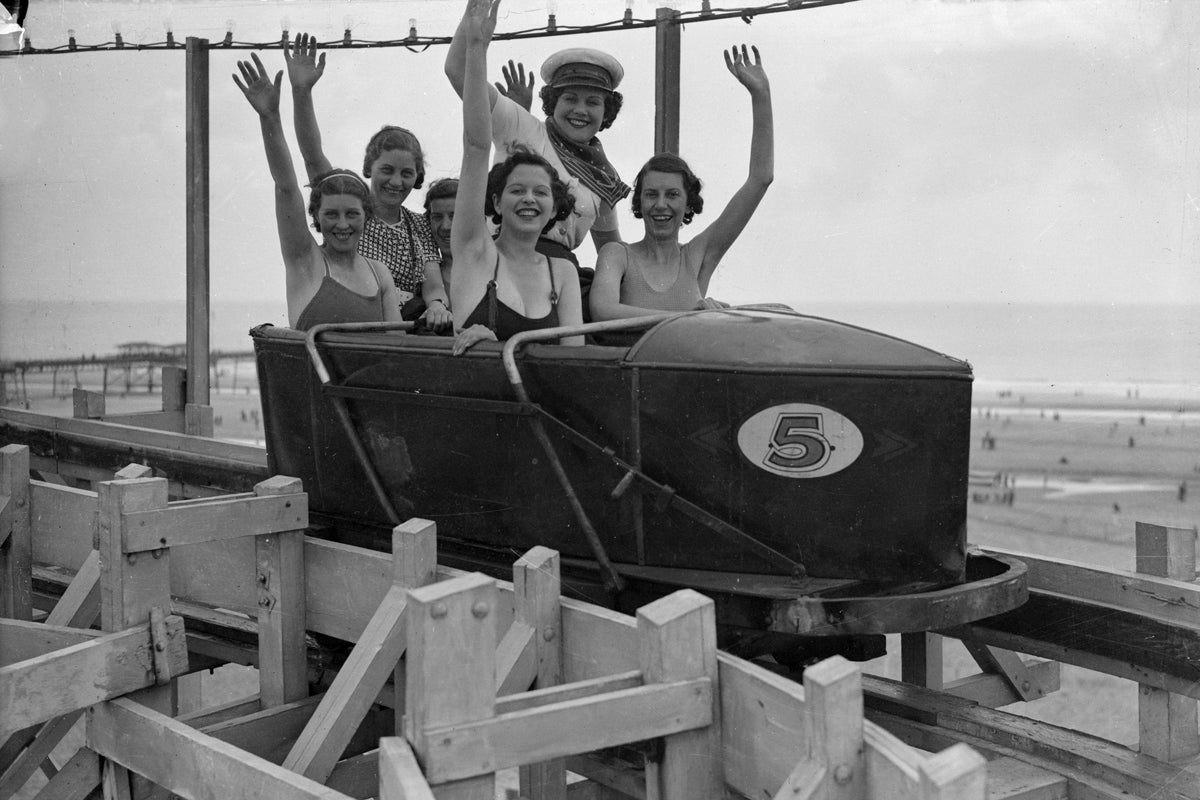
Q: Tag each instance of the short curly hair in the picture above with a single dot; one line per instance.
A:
(441, 189)
(336, 181)
(564, 201)
(612, 102)
(669, 162)
(393, 137)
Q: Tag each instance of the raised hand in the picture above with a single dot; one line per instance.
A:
(479, 22)
(304, 68)
(261, 92)
(752, 76)
(515, 87)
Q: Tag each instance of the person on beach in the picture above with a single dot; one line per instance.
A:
(505, 282)
(394, 163)
(658, 273)
(330, 282)
(579, 99)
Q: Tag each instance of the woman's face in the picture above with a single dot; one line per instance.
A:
(441, 216)
(579, 112)
(527, 202)
(393, 175)
(341, 217)
(663, 203)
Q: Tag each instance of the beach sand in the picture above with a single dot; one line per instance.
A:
(1077, 485)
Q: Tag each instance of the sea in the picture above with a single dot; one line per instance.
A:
(1118, 350)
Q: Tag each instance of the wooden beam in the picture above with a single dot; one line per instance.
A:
(994, 691)
(65, 522)
(196, 142)
(16, 535)
(468, 749)
(400, 775)
(569, 691)
(282, 647)
(957, 773)
(516, 660)
(451, 670)
(79, 605)
(187, 762)
(1167, 722)
(666, 80)
(677, 641)
(76, 780)
(21, 640)
(41, 688)
(537, 586)
(1009, 667)
(921, 659)
(806, 782)
(218, 519)
(37, 751)
(833, 695)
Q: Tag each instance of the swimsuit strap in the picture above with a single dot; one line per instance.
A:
(325, 258)
(491, 294)
(553, 291)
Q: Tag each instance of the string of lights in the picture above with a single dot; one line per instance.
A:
(417, 43)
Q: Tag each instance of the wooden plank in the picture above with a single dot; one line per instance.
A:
(833, 695)
(156, 420)
(414, 563)
(516, 660)
(223, 712)
(21, 640)
(41, 688)
(372, 661)
(537, 586)
(921, 659)
(618, 780)
(677, 640)
(468, 749)
(569, 691)
(217, 520)
(130, 584)
(330, 568)
(995, 691)
(596, 641)
(1169, 601)
(1009, 779)
(64, 521)
(16, 535)
(1167, 723)
(1106, 640)
(451, 670)
(76, 780)
(400, 775)
(957, 773)
(36, 752)
(80, 603)
(114, 781)
(357, 776)
(893, 768)
(189, 763)
(806, 782)
(1009, 667)
(360, 679)
(282, 648)
(1051, 747)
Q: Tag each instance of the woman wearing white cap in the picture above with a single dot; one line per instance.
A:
(579, 98)
(658, 273)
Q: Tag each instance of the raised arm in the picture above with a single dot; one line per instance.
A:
(304, 69)
(725, 229)
(456, 63)
(263, 95)
(515, 86)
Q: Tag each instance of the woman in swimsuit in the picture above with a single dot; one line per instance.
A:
(330, 282)
(658, 273)
(395, 165)
(506, 283)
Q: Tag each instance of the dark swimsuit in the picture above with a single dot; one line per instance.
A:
(501, 319)
(334, 302)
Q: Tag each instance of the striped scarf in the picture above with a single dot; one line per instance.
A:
(589, 165)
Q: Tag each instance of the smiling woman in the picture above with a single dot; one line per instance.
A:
(330, 282)
(507, 283)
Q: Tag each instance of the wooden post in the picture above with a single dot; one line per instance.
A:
(921, 659)
(677, 640)
(451, 666)
(1167, 723)
(834, 699)
(87, 404)
(282, 650)
(16, 534)
(414, 564)
(536, 592)
(666, 81)
(197, 233)
(956, 773)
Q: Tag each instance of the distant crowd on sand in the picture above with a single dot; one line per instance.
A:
(493, 254)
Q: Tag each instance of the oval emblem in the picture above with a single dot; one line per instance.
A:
(800, 440)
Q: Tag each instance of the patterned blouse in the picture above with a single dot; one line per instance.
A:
(403, 247)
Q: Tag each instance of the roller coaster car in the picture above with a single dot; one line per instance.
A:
(809, 475)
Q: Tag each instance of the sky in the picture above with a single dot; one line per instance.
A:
(1007, 151)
